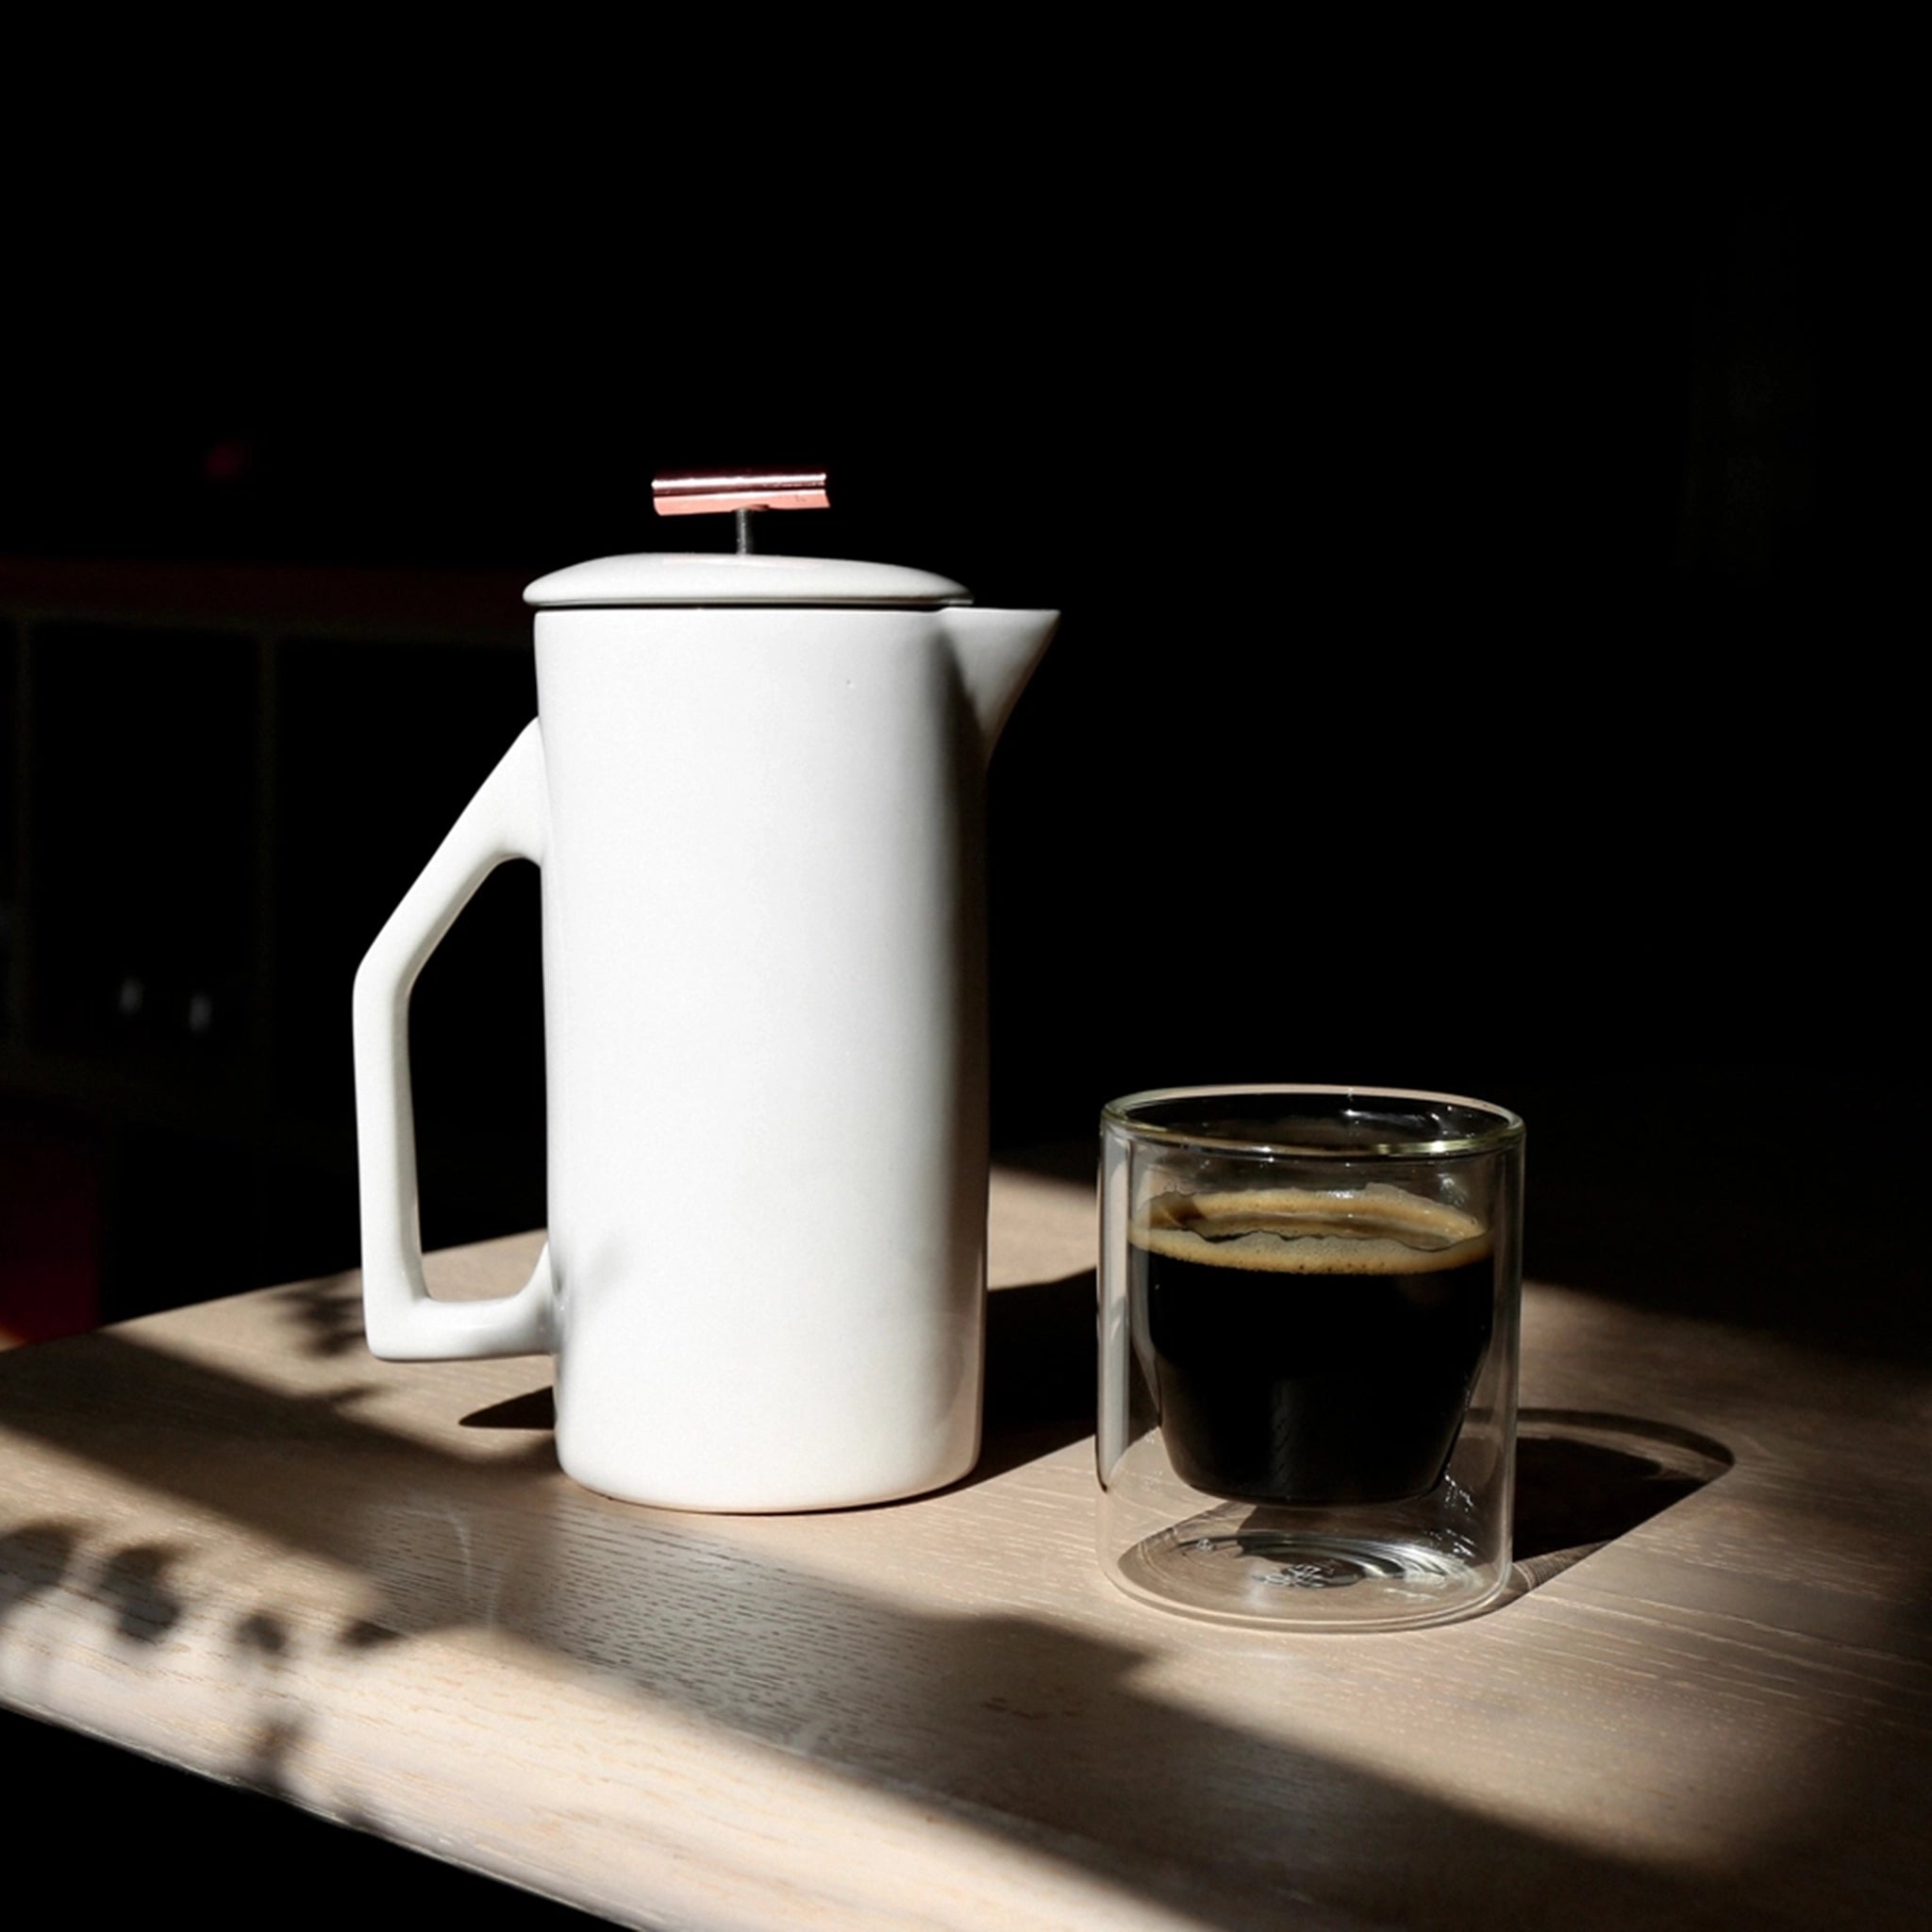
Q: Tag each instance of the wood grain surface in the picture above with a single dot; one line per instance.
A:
(232, 1540)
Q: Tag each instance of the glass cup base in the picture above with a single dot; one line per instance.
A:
(1261, 1567)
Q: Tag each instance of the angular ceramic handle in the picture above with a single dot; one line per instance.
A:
(507, 819)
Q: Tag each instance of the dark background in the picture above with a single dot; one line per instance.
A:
(1475, 671)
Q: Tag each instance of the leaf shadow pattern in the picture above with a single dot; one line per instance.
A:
(34, 1559)
(133, 1583)
(328, 1314)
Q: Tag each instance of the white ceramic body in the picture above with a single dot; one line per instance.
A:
(759, 833)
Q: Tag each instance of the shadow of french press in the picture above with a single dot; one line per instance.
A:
(1583, 1478)
(1039, 1377)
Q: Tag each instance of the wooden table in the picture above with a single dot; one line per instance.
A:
(231, 1540)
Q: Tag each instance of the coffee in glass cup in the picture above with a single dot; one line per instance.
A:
(1308, 1351)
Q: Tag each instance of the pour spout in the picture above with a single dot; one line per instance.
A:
(996, 652)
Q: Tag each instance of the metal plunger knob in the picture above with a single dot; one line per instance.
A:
(700, 493)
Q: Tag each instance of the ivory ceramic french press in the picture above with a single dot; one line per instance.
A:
(754, 787)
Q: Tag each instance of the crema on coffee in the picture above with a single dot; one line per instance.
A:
(1311, 1347)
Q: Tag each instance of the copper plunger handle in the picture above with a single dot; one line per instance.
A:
(697, 493)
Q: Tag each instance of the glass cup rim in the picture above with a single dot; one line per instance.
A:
(1118, 1115)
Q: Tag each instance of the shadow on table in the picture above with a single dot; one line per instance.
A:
(1027, 1726)
(1583, 1479)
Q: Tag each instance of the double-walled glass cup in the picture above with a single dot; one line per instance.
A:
(1308, 1334)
